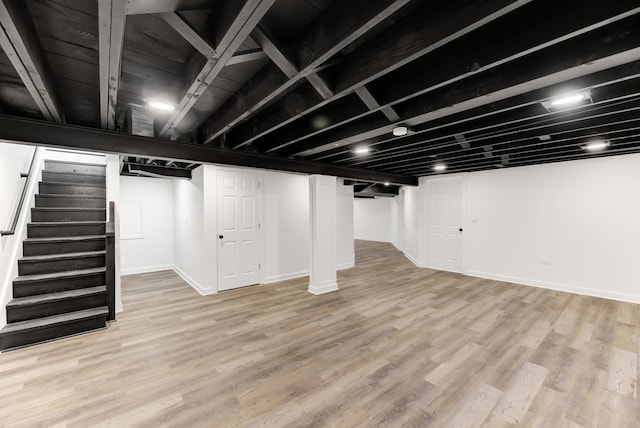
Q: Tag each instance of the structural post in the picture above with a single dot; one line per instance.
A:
(322, 200)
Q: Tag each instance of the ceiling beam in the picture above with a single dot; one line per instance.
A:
(247, 56)
(159, 171)
(135, 7)
(369, 100)
(619, 83)
(421, 32)
(234, 22)
(602, 49)
(29, 131)
(189, 33)
(111, 20)
(19, 41)
(478, 53)
(285, 64)
(340, 25)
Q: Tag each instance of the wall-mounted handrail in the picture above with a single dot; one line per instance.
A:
(16, 216)
(110, 232)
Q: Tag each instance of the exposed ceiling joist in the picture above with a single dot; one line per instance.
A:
(285, 64)
(618, 83)
(189, 33)
(600, 50)
(340, 25)
(19, 41)
(247, 56)
(136, 7)
(446, 69)
(373, 105)
(234, 22)
(111, 20)
(158, 171)
(412, 37)
(28, 131)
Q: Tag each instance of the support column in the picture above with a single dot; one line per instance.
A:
(322, 200)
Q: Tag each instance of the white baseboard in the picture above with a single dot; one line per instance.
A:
(604, 294)
(193, 283)
(344, 266)
(285, 277)
(321, 288)
(397, 247)
(414, 261)
(147, 269)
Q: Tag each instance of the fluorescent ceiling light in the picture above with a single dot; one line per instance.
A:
(439, 167)
(400, 131)
(568, 99)
(159, 105)
(595, 146)
(362, 150)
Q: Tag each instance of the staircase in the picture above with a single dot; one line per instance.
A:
(60, 290)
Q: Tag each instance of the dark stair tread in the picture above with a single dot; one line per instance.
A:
(54, 319)
(73, 163)
(66, 183)
(84, 174)
(59, 275)
(62, 256)
(68, 223)
(59, 195)
(52, 297)
(65, 209)
(63, 239)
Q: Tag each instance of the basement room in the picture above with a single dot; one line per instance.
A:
(319, 213)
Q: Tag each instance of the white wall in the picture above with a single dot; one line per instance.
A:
(345, 250)
(372, 219)
(286, 226)
(413, 223)
(397, 204)
(146, 224)
(14, 160)
(571, 226)
(189, 231)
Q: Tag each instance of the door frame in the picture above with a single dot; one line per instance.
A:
(427, 234)
(261, 234)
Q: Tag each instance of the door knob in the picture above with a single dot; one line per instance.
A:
(220, 236)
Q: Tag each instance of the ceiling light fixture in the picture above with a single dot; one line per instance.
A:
(400, 131)
(439, 167)
(569, 99)
(160, 105)
(386, 183)
(595, 146)
(362, 150)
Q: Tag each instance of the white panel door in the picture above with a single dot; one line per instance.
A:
(446, 196)
(238, 249)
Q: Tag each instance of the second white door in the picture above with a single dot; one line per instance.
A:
(445, 237)
(238, 230)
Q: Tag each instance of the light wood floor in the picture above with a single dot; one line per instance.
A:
(396, 346)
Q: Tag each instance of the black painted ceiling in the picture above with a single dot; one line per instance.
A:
(471, 80)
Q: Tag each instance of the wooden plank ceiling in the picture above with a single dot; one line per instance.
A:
(315, 80)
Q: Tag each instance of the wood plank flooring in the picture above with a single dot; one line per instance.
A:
(396, 346)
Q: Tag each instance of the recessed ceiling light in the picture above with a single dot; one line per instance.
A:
(160, 105)
(386, 183)
(362, 150)
(400, 131)
(595, 146)
(439, 167)
(568, 99)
